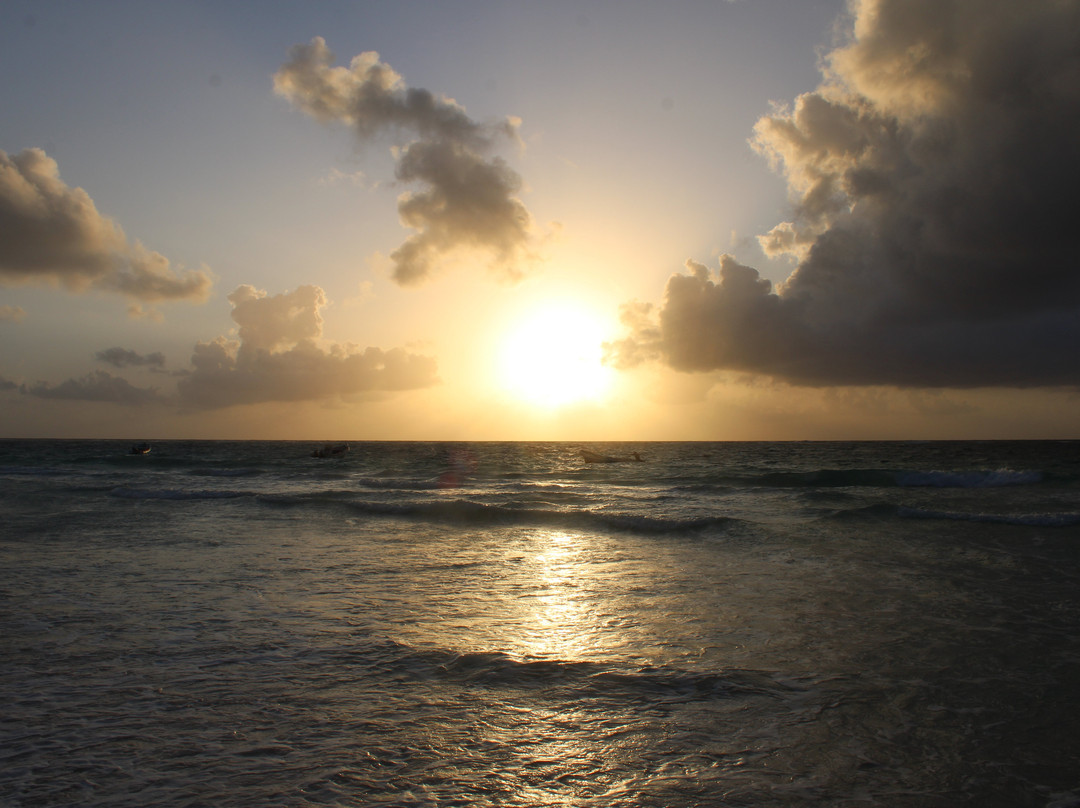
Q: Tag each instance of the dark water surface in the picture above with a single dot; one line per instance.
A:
(502, 624)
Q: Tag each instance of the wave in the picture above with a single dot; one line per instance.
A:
(659, 684)
(1045, 519)
(655, 684)
(400, 484)
(237, 472)
(33, 471)
(478, 514)
(881, 511)
(824, 478)
(968, 479)
(175, 494)
(885, 478)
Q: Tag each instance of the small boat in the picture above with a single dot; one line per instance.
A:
(596, 457)
(332, 450)
(140, 448)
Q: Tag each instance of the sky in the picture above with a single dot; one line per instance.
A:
(568, 220)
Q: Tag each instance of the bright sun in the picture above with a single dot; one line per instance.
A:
(551, 357)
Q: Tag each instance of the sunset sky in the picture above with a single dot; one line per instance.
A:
(757, 219)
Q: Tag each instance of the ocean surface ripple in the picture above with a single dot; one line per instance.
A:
(504, 624)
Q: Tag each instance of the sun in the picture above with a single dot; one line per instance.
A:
(551, 356)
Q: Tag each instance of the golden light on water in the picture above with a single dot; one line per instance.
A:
(559, 622)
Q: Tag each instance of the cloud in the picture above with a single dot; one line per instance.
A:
(278, 356)
(97, 386)
(12, 314)
(338, 177)
(53, 234)
(467, 198)
(932, 175)
(121, 357)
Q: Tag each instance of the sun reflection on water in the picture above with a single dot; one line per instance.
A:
(559, 617)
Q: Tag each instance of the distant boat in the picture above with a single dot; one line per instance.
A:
(140, 448)
(596, 457)
(332, 450)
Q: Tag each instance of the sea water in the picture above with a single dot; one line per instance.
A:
(504, 624)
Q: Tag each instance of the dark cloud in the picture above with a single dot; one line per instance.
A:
(53, 234)
(932, 174)
(278, 357)
(121, 357)
(97, 386)
(468, 198)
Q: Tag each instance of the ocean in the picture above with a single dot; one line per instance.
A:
(224, 623)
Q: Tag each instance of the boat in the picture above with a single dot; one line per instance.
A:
(596, 457)
(140, 449)
(332, 450)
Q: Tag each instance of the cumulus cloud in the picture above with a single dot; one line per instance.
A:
(53, 234)
(467, 197)
(278, 355)
(122, 357)
(12, 314)
(97, 386)
(932, 175)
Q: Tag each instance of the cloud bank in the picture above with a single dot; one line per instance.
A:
(97, 386)
(932, 175)
(467, 197)
(278, 356)
(53, 234)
